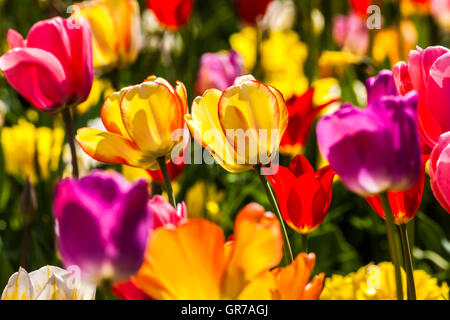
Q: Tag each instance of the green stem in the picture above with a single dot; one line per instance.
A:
(408, 262)
(393, 243)
(71, 140)
(304, 238)
(273, 201)
(168, 184)
(115, 79)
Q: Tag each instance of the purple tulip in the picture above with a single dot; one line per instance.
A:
(102, 223)
(377, 148)
(219, 70)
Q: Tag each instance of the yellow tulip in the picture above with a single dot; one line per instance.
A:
(377, 282)
(47, 283)
(194, 262)
(242, 126)
(141, 123)
(116, 31)
(23, 144)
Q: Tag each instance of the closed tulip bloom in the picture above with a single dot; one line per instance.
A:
(439, 171)
(241, 126)
(351, 33)
(55, 60)
(219, 70)
(302, 114)
(116, 31)
(304, 195)
(47, 283)
(375, 149)
(142, 123)
(193, 261)
(428, 72)
(172, 13)
(251, 11)
(102, 222)
(404, 204)
(440, 9)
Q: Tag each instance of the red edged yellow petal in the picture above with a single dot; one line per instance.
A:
(251, 106)
(204, 125)
(182, 94)
(257, 248)
(111, 148)
(151, 114)
(184, 263)
(283, 111)
(111, 116)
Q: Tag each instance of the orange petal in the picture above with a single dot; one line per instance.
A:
(111, 148)
(258, 247)
(292, 281)
(111, 116)
(184, 263)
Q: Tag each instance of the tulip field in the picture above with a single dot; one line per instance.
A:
(225, 150)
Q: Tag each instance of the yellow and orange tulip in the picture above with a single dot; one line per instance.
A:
(194, 262)
(140, 121)
(116, 31)
(241, 126)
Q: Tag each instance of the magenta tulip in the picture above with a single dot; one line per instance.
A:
(428, 72)
(375, 149)
(53, 67)
(219, 70)
(164, 214)
(102, 224)
(439, 169)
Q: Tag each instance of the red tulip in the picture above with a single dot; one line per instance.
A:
(175, 170)
(252, 10)
(128, 290)
(304, 196)
(53, 67)
(172, 13)
(404, 204)
(360, 6)
(301, 117)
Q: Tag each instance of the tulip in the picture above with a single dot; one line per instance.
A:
(438, 170)
(303, 194)
(116, 30)
(351, 33)
(193, 261)
(440, 9)
(23, 144)
(279, 16)
(219, 70)
(428, 73)
(47, 283)
(102, 223)
(163, 215)
(241, 126)
(301, 117)
(172, 13)
(140, 121)
(360, 6)
(55, 60)
(251, 11)
(374, 149)
(404, 204)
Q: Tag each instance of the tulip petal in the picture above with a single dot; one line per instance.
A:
(15, 39)
(206, 129)
(438, 91)
(185, 263)
(112, 148)
(111, 115)
(283, 111)
(37, 75)
(19, 287)
(151, 114)
(257, 248)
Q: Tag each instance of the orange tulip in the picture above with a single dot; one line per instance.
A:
(140, 121)
(194, 262)
(241, 126)
(116, 31)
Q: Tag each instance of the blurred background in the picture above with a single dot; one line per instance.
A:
(308, 53)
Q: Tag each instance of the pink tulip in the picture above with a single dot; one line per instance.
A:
(351, 33)
(428, 72)
(439, 169)
(440, 9)
(53, 67)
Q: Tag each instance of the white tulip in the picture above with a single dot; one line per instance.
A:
(47, 283)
